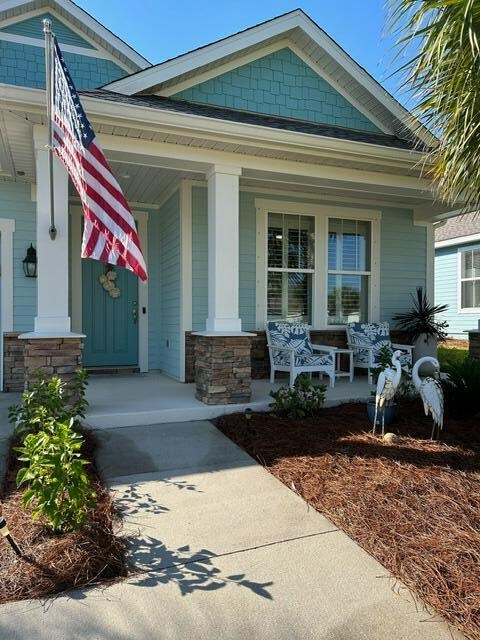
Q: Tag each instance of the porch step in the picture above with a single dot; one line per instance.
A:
(111, 370)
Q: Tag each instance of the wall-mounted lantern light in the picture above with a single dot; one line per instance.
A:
(30, 263)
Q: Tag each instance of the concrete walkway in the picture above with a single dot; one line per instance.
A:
(224, 551)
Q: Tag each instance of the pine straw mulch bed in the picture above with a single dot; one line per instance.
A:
(414, 505)
(53, 564)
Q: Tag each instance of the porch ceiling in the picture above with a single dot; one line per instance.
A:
(155, 156)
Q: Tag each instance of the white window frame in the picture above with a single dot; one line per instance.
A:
(322, 215)
(460, 252)
(313, 271)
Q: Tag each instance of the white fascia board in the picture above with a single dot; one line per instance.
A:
(108, 112)
(451, 242)
(198, 58)
(72, 9)
(187, 62)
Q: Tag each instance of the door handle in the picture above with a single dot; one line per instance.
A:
(134, 313)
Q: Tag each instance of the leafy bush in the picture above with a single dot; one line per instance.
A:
(406, 389)
(48, 421)
(462, 387)
(451, 355)
(50, 399)
(305, 399)
(59, 488)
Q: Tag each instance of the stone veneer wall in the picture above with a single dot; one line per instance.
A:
(13, 362)
(223, 369)
(189, 357)
(53, 356)
(474, 344)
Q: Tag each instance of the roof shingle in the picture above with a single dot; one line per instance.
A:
(463, 225)
(259, 119)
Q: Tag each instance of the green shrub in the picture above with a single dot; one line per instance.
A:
(451, 355)
(48, 421)
(59, 488)
(305, 399)
(462, 387)
(50, 399)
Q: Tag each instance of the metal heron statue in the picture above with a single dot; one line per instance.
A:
(431, 393)
(387, 384)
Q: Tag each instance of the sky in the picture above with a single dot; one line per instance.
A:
(162, 29)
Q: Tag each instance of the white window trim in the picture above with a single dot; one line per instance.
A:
(322, 214)
(464, 310)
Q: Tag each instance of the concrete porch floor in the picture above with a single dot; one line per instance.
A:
(153, 398)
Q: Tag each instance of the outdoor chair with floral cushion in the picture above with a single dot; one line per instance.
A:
(291, 350)
(366, 340)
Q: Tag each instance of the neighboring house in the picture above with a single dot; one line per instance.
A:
(457, 273)
(271, 177)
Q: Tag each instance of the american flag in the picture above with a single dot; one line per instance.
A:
(110, 234)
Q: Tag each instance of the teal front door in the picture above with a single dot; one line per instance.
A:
(109, 323)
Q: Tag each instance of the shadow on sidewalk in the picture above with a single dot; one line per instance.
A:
(189, 570)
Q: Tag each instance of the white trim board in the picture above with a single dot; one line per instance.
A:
(322, 214)
(76, 215)
(451, 242)
(186, 293)
(458, 280)
(83, 51)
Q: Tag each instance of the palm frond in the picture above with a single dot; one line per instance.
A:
(442, 77)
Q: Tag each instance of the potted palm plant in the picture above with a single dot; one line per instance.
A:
(421, 327)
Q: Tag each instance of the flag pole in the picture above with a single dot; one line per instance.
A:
(47, 30)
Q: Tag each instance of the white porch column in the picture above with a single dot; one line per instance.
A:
(52, 255)
(223, 250)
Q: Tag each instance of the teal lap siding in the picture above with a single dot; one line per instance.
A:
(169, 294)
(402, 268)
(403, 261)
(16, 203)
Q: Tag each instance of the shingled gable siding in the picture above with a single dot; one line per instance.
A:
(403, 257)
(33, 28)
(280, 84)
(24, 65)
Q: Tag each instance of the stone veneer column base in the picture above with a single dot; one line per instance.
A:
(13, 362)
(53, 357)
(223, 372)
(474, 344)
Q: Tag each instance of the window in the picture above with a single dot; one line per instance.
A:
(470, 279)
(349, 258)
(290, 267)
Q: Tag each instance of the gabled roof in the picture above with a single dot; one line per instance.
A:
(259, 119)
(309, 40)
(83, 21)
